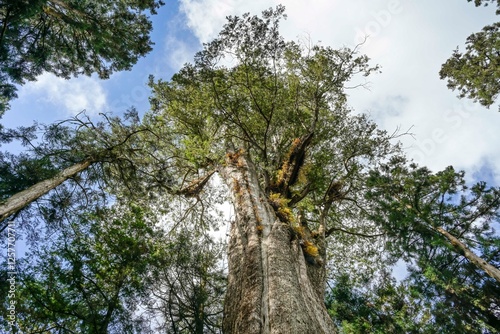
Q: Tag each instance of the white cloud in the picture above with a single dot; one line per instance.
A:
(178, 52)
(206, 17)
(72, 95)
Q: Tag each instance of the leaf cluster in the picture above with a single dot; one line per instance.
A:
(475, 72)
(189, 287)
(249, 90)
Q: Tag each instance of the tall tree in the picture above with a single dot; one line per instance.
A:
(383, 306)
(475, 73)
(444, 229)
(275, 128)
(69, 37)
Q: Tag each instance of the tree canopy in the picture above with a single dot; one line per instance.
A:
(323, 205)
(475, 73)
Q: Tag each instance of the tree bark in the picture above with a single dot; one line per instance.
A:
(471, 256)
(270, 290)
(25, 197)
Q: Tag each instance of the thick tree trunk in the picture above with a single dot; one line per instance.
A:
(471, 256)
(25, 197)
(270, 289)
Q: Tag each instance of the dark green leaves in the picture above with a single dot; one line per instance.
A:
(476, 73)
(487, 3)
(420, 211)
(91, 275)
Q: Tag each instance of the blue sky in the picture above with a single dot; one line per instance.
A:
(409, 39)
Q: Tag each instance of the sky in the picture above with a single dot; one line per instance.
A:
(408, 39)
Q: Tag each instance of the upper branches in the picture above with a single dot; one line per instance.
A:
(284, 105)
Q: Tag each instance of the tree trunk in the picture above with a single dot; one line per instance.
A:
(471, 256)
(269, 286)
(25, 197)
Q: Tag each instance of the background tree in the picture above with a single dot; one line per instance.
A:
(69, 37)
(89, 277)
(188, 289)
(486, 3)
(444, 229)
(476, 72)
(84, 152)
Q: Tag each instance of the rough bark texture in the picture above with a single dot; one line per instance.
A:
(269, 288)
(476, 260)
(25, 197)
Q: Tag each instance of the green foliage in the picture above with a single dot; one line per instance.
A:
(460, 297)
(189, 287)
(412, 203)
(475, 73)
(415, 305)
(270, 96)
(91, 276)
(124, 153)
(385, 307)
(283, 106)
(69, 37)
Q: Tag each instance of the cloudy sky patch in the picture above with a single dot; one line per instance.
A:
(66, 96)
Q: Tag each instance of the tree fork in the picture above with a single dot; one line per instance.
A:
(269, 289)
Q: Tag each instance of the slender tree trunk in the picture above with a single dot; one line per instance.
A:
(25, 197)
(471, 256)
(269, 286)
